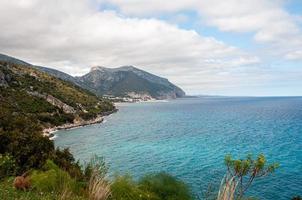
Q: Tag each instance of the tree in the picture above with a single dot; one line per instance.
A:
(241, 173)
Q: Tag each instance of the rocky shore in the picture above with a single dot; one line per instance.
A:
(49, 132)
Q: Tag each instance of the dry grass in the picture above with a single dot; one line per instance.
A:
(66, 194)
(99, 188)
(227, 188)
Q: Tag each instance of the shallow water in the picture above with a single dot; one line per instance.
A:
(190, 137)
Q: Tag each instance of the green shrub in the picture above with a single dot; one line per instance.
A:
(165, 186)
(27, 146)
(7, 192)
(56, 119)
(124, 188)
(87, 116)
(7, 165)
(65, 160)
(53, 179)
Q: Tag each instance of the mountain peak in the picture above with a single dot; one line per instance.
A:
(127, 67)
(122, 68)
(97, 68)
(128, 79)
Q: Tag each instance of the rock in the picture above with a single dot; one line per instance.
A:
(3, 81)
(54, 101)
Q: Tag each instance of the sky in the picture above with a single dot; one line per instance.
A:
(210, 47)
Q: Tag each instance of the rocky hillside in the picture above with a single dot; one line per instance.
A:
(45, 99)
(122, 81)
(129, 81)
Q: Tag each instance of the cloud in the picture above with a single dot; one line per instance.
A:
(270, 23)
(73, 35)
(296, 55)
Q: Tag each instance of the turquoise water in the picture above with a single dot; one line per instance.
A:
(190, 137)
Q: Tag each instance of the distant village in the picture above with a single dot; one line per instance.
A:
(129, 98)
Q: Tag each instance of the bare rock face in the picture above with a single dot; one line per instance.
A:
(54, 101)
(2, 79)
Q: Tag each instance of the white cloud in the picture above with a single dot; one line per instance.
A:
(147, 7)
(74, 35)
(267, 19)
(296, 55)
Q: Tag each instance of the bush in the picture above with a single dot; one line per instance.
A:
(7, 165)
(159, 186)
(87, 116)
(53, 179)
(30, 149)
(22, 139)
(165, 186)
(65, 160)
(124, 188)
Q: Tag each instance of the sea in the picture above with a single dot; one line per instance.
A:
(190, 137)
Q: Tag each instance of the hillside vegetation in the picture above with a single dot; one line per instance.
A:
(45, 99)
(30, 101)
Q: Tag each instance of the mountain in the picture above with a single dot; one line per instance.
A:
(122, 81)
(129, 81)
(53, 72)
(9, 59)
(44, 99)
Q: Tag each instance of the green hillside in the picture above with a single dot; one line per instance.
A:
(44, 98)
(31, 100)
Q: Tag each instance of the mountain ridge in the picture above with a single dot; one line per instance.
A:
(123, 81)
(129, 81)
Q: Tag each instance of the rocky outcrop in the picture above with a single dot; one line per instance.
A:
(4, 79)
(54, 101)
(3, 82)
(58, 103)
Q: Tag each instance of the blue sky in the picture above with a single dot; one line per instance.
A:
(216, 47)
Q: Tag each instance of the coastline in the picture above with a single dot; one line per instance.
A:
(49, 132)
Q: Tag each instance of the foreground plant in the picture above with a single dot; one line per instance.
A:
(241, 174)
(99, 187)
